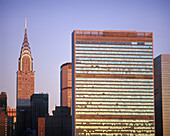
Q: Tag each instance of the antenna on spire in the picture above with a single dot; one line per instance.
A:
(25, 22)
(25, 36)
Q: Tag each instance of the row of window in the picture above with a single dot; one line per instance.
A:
(110, 107)
(115, 110)
(98, 72)
(115, 43)
(113, 83)
(96, 96)
(112, 86)
(105, 62)
(114, 46)
(113, 113)
(116, 120)
(115, 59)
(112, 49)
(114, 93)
(121, 128)
(111, 66)
(88, 100)
(113, 69)
(115, 55)
(116, 103)
(110, 133)
(111, 90)
(114, 79)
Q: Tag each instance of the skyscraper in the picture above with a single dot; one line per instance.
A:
(112, 83)
(25, 74)
(60, 124)
(39, 108)
(11, 121)
(162, 94)
(7, 117)
(3, 115)
(25, 86)
(3, 122)
(3, 100)
(66, 85)
(41, 126)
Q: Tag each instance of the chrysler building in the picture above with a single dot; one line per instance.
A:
(25, 87)
(25, 73)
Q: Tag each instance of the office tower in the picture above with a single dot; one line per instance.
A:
(11, 121)
(41, 126)
(7, 117)
(7, 125)
(39, 108)
(11, 112)
(3, 122)
(3, 100)
(162, 94)
(112, 83)
(25, 86)
(25, 74)
(66, 85)
(60, 124)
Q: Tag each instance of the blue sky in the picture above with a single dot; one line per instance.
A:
(50, 24)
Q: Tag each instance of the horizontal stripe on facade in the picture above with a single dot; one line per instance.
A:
(114, 96)
(115, 59)
(112, 113)
(113, 76)
(114, 79)
(114, 93)
(91, 55)
(132, 46)
(114, 90)
(99, 41)
(113, 100)
(114, 49)
(114, 82)
(115, 103)
(135, 118)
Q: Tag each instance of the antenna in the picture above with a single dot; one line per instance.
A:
(25, 22)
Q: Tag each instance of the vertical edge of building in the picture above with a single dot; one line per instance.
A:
(61, 88)
(162, 94)
(153, 80)
(158, 96)
(66, 84)
(73, 84)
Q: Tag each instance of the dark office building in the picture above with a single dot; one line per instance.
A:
(3, 100)
(60, 124)
(23, 121)
(162, 94)
(39, 108)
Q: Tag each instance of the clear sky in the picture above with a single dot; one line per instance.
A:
(50, 24)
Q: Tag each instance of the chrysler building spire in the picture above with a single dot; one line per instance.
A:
(25, 23)
(25, 36)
